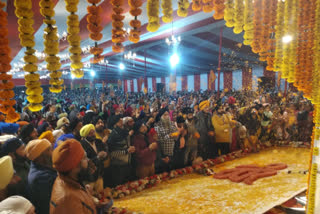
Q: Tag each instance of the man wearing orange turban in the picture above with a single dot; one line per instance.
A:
(68, 193)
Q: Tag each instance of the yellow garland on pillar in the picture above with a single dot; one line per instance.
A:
(278, 36)
(218, 7)
(153, 15)
(183, 6)
(117, 31)
(51, 46)
(24, 13)
(293, 31)
(6, 85)
(272, 41)
(167, 11)
(248, 22)
(238, 16)
(74, 38)
(316, 65)
(257, 23)
(229, 13)
(134, 35)
(207, 6)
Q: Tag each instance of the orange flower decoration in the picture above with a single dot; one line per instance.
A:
(117, 24)
(134, 35)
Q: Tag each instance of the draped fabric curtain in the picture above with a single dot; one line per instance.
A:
(197, 82)
(125, 86)
(154, 84)
(247, 78)
(227, 80)
(184, 83)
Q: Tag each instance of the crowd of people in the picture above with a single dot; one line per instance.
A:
(61, 159)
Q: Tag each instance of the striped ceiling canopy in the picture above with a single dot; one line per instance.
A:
(198, 49)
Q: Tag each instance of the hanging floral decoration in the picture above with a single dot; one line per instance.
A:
(183, 6)
(25, 14)
(265, 30)
(135, 10)
(153, 15)
(95, 28)
(51, 46)
(6, 85)
(229, 13)
(218, 7)
(238, 16)
(207, 6)
(196, 5)
(117, 24)
(278, 36)
(248, 22)
(167, 11)
(257, 26)
(316, 57)
(74, 38)
(272, 41)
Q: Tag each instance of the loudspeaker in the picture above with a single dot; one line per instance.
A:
(266, 83)
(160, 87)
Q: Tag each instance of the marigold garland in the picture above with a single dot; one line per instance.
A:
(272, 40)
(207, 6)
(218, 7)
(95, 28)
(316, 66)
(167, 11)
(117, 31)
(183, 6)
(6, 85)
(24, 13)
(134, 35)
(257, 23)
(263, 42)
(229, 13)
(153, 15)
(74, 39)
(51, 47)
(238, 16)
(248, 23)
(196, 5)
(278, 36)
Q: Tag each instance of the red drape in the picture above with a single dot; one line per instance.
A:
(154, 84)
(270, 74)
(184, 83)
(163, 81)
(247, 78)
(227, 80)
(139, 82)
(131, 86)
(197, 82)
(125, 86)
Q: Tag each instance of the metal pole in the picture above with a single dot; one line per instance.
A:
(219, 62)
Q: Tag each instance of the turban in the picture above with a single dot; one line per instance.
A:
(96, 119)
(36, 147)
(161, 112)
(67, 155)
(85, 130)
(9, 128)
(180, 119)
(113, 120)
(203, 105)
(62, 115)
(73, 124)
(26, 131)
(126, 120)
(47, 135)
(11, 146)
(137, 126)
(22, 123)
(15, 205)
(43, 127)
(6, 171)
(61, 122)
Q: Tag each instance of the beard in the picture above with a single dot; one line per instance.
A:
(166, 122)
(20, 158)
(99, 129)
(84, 175)
(190, 119)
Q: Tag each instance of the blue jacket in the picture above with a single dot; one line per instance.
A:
(40, 182)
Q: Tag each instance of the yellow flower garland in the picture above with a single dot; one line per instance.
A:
(51, 46)
(183, 6)
(153, 15)
(272, 40)
(293, 46)
(229, 13)
(167, 11)
(316, 66)
(134, 35)
(24, 13)
(257, 22)
(6, 85)
(207, 6)
(248, 23)
(238, 16)
(278, 36)
(74, 39)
